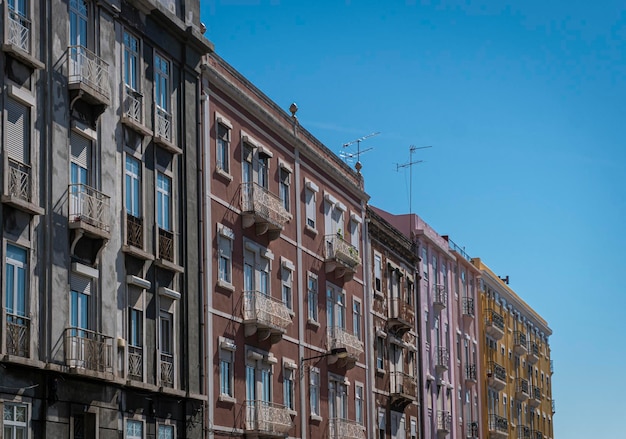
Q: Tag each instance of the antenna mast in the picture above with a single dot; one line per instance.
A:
(357, 154)
(409, 165)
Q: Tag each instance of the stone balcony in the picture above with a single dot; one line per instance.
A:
(520, 343)
(521, 389)
(403, 390)
(265, 316)
(262, 209)
(444, 423)
(440, 297)
(442, 359)
(468, 309)
(340, 256)
(267, 420)
(344, 429)
(533, 353)
(494, 324)
(18, 40)
(88, 77)
(340, 338)
(535, 397)
(89, 211)
(471, 374)
(401, 316)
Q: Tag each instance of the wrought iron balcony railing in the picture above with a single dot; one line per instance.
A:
(533, 352)
(344, 429)
(133, 105)
(440, 297)
(338, 249)
(498, 423)
(265, 311)
(453, 246)
(494, 324)
(444, 421)
(134, 231)
(86, 68)
(496, 375)
(18, 31)
(468, 307)
(403, 384)
(520, 342)
(85, 349)
(267, 418)
(264, 205)
(135, 363)
(166, 245)
(523, 432)
(403, 311)
(167, 369)
(163, 124)
(521, 389)
(536, 393)
(90, 206)
(442, 360)
(472, 430)
(18, 335)
(470, 373)
(340, 338)
(536, 434)
(19, 182)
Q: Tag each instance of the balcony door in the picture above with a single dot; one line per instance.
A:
(398, 425)
(80, 298)
(337, 400)
(80, 158)
(335, 308)
(79, 17)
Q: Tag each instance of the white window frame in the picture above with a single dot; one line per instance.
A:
(286, 275)
(284, 187)
(310, 199)
(357, 318)
(312, 298)
(13, 424)
(166, 427)
(134, 178)
(358, 402)
(314, 391)
(161, 195)
(222, 145)
(378, 272)
(289, 386)
(225, 241)
(227, 380)
(133, 434)
(380, 353)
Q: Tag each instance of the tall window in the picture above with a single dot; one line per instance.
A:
(358, 403)
(166, 348)
(309, 195)
(226, 372)
(425, 262)
(380, 353)
(312, 297)
(162, 83)
(335, 308)
(378, 272)
(79, 15)
(134, 429)
(223, 147)
(19, 7)
(289, 388)
(164, 201)
(225, 253)
(133, 186)
(247, 164)
(263, 175)
(15, 421)
(337, 399)
(284, 177)
(381, 424)
(166, 432)
(356, 318)
(131, 62)
(287, 277)
(17, 131)
(15, 284)
(314, 391)
(135, 327)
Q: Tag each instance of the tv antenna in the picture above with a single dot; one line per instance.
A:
(349, 156)
(409, 165)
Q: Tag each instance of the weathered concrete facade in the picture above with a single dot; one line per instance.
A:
(101, 323)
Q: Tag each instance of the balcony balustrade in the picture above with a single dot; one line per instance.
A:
(89, 211)
(18, 36)
(440, 297)
(523, 432)
(265, 315)
(89, 74)
(494, 324)
(18, 187)
(403, 390)
(166, 377)
(444, 422)
(498, 427)
(166, 245)
(340, 338)
(341, 256)
(18, 335)
(520, 343)
(133, 106)
(496, 375)
(135, 363)
(134, 231)
(344, 429)
(88, 350)
(471, 374)
(536, 434)
(442, 359)
(468, 308)
(533, 352)
(266, 419)
(472, 430)
(521, 389)
(401, 316)
(263, 209)
(535, 397)
(163, 124)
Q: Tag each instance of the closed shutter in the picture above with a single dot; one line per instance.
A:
(18, 131)
(80, 150)
(80, 284)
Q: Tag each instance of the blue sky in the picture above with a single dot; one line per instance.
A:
(524, 104)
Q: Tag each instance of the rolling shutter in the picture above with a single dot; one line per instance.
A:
(80, 284)
(81, 150)
(17, 131)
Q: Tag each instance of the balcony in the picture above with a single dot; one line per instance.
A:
(263, 209)
(533, 353)
(166, 369)
(498, 427)
(553, 405)
(135, 363)
(523, 432)
(401, 316)
(520, 343)
(440, 297)
(340, 338)
(444, 422)
(18, 336)
(551, 366)
(468, 309)
(536, 434)
(88, 77)
(88, 350)
(472, 430)
(496, 375)
(343, 429)
(18, 186)
(471, 374)
(89, 211)
(403, 390)
(132, 111)
(265, 315)
(494, 324)
(521, 389)
(166, 250)
(18, 37)
(535, 397)
(341, 256)
(442, 360)
(267, 420)
(163, 134)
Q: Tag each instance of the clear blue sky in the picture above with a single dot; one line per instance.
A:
(524, 103)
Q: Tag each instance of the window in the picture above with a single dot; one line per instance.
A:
(258, 382)
(223, 147)
(425, 262)
(164, 201)
(17, 132)
(79, 15)
(358, 403)
(381, 424)
(380, 353)
(289, 388)
(427, 327)
(434, 271)
(247, 166)
(287, 276)
(356, 318)
(15, 285)
(166, 432)
(15, 421)
(133, 186)
(256, 273)
(163, 117)
(226, 371)
(314, 391)
(135, 343)
(131, 61)
(225, 239)
(263, 170)
(335, 308)
(134, 429)
(80, 298)
(285, 177)
(354, 234)
(166, 348)
(312, 297)
(309, 196)
(378, 272)
(337, 398)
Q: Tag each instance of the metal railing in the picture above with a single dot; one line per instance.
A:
(536, 393)
(134, 231)
(264, 310)
(163, 124)
(18, 179)
(533, 348)
(468, 306)
(440, 295)
(89, 205)
(520, 339)
(402, 310)
(470, 372)
(494, 319)
(135, 362)
(339, 428)
(523, 432)
(444, 420)
(498, 423)
(133, 104)
(337, 248)
(340, 338)
(267, 417)
(87, 349)
(472, 430)
(18, 335)
(521, 386)
(87, 68)
(167, 369)
(403, 384)
(498, 371)
(166, 245)
(261, 202)
(536, 434)
(443, 357)
(18, 30)
(453, 246)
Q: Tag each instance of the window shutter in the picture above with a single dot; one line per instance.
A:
(18, 131)
(80, 150)
(80, 284)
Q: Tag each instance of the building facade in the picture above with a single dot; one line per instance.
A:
(101, 322)
(516, 358)
(283, 260)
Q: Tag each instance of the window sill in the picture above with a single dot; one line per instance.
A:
(167, 144)
(228, 399)
(137, 252)
(22, 56)
(313, 323)
(164, 263)
(379, 295)
(224, 174)
(136, 126)
(226, 285)
(315, 418)
(311, 230)
(380, 371)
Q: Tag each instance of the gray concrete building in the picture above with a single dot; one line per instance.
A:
(101, 323)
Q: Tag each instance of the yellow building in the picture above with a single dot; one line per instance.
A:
(516, 363)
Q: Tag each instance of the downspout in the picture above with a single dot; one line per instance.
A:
(369, 325)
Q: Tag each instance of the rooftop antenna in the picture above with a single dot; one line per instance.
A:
(350, 155)
(409, 165)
